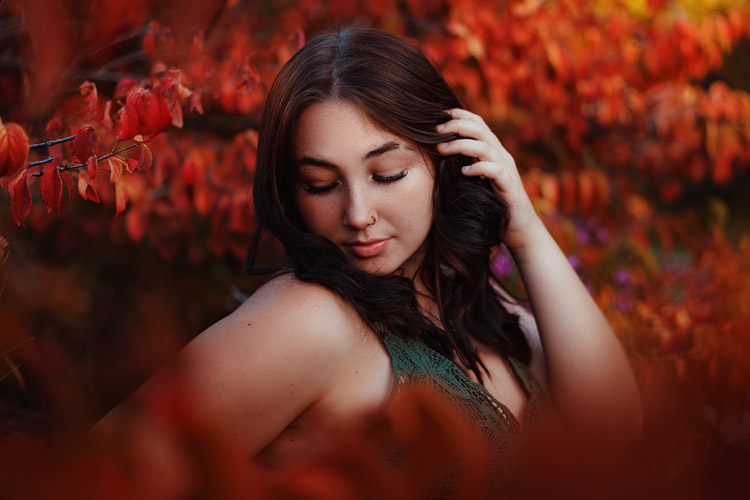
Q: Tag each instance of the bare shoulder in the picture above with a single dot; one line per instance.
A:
(287, 333)
(261, 367)
(295, 314)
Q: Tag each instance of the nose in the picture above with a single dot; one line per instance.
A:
(359, 209)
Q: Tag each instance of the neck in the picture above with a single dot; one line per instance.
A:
(425, 302)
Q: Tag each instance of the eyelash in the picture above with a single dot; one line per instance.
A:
(384, 180)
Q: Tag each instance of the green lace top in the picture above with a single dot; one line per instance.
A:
(414, 362)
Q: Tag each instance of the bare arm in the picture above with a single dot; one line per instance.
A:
(588, 373)
(233, 389)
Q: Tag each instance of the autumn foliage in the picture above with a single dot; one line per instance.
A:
(127, 152)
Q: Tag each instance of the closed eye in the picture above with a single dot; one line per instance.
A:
(320, 189)
(389, 178)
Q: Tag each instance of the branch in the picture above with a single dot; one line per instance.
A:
(51, 143)
(75, 166)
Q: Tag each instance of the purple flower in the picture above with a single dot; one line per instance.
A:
(623, 277)
(502, 266)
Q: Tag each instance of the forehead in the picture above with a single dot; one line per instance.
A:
(338, 129)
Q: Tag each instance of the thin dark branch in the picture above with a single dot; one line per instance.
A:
(41, 162)
(51, 143)
(75, 166)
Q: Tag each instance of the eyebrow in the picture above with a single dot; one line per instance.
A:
(388, 146)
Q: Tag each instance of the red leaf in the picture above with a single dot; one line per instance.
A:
(196, 103)
(135, 224)
(124, 86)
(51, 187)
(20, 199)
(107, 120)
(121, 197)
(54, 125)
(92, 165)
(68, 180)
(145, 158)
(90, 97)
(145, 113)
(128, 123)
(148, 43)
(83, 143)
(247, 76)
(131, 165)
(14, 148)
(85, 189)
(153, 111)
(196, 48)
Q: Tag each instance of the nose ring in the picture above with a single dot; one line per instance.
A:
(374, 219)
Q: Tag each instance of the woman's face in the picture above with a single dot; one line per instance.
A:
(363, 188)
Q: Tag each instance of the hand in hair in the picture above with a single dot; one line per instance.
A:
(588, 374)
(476, 140)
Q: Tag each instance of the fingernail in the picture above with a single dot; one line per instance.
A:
(466, 168)
(440, 128)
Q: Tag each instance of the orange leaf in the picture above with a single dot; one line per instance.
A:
(121, 197)
(92, 165)
(14, 148)
(550, 187)
(20, 199)
(177, 119)
(568, 191)
(586, 191)
(131, 165)
(135, 224)
(83, 143)
(51, 187)
(115, 168)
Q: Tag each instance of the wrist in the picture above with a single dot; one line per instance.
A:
(532, 234)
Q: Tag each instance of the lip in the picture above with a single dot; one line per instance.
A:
(369, 248)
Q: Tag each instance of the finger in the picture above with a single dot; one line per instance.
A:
(469, 129)
(469, 147)
(463, 114)
(500, 175)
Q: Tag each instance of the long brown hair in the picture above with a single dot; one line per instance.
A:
(398, 88)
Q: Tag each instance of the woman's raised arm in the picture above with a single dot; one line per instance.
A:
(588, 374)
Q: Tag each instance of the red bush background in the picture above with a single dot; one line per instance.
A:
(630, 122)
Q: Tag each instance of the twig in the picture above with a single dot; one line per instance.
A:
(51, 143)
(79, 165)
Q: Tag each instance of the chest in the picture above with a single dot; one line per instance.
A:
(367, 383)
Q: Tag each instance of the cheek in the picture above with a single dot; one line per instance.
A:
(421, 200)
(317, 216)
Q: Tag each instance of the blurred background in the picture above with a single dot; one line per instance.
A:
(629, 121)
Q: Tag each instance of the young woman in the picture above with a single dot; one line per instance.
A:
(388, 198)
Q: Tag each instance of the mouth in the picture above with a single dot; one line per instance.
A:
(369, 248)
